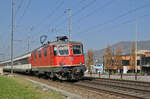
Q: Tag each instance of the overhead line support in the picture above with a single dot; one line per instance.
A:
(69, 24)
(12, 32)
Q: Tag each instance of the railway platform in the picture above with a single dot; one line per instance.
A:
(124, 77)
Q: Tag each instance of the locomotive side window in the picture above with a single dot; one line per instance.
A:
(34, 54)
(77, 49)
(55, 50)
(63, 50)
(39, 53)
(45, 52)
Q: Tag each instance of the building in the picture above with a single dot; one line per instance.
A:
(143, 63)
(97, 68)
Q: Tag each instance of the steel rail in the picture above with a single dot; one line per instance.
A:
(98, 91)
(141, 92)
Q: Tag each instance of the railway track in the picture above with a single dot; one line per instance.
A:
(126, 83)
(130, 89)
(129, 83)
(140, 83)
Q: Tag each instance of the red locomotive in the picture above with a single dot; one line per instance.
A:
(60, 59)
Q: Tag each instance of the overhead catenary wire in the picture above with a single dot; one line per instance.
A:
(25, 11)
(19, 7)
(83, 8)
(62, 15)
(118, 25)
(95, 10)
(82, 1)
(52, 13)
(122, 23)
(58, 19)
(127, 22)
(116, 18)
(78, 11)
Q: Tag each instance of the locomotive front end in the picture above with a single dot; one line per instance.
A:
(69, 57)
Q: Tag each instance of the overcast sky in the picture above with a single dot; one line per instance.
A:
(96, 23)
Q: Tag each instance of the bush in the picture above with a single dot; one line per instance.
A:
(142, 73)
(112, 73)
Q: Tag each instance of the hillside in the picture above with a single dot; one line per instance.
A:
(125, 45)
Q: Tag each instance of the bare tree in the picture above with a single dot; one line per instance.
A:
(89, 59)
(132, 56)
(118, 58)
(108, 58)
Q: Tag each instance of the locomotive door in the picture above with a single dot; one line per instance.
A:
(51, 55)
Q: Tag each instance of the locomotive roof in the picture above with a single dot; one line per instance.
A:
(65, 42)
(58, 42)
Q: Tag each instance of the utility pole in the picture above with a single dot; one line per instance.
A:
(69, 24)
(12, 31)
(136, 49)
(3, 56)
(28, 43)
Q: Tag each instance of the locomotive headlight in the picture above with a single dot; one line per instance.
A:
(81, 63)
(62, 63)
(78, 70)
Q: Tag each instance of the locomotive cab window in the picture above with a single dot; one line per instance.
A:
(77, 49)
(34, 54)
(63, 50)
(45, 52)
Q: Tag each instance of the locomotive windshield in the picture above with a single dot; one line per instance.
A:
(77, 49)
(61, 50)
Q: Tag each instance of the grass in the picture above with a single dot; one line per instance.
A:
(18, 88)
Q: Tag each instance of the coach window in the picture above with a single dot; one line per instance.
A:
(77, 49)
(45, 52)
(39, 54)
(15, 62)
(9, 63)
(24, 61)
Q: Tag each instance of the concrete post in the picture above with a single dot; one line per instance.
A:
(1, 70)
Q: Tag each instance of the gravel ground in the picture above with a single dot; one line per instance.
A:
(124, 77)
(69, 90)
(46, 87)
